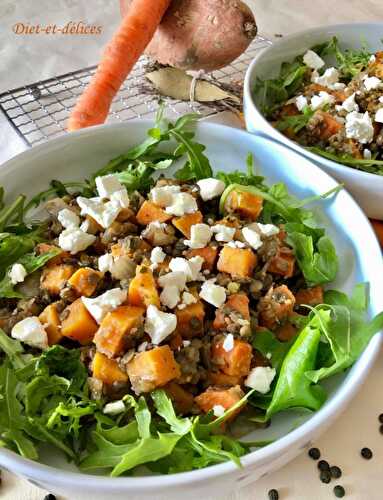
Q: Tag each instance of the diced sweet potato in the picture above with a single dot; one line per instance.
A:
(120, 249)
(51, 320)
(54, 277)
(220, 397)
(238, 262)
(143, 288)
(175, 341)
(112, 336)
(151, 369)
(222, 379)
(149, 212)
(235, 362)
(327, 126)
(238, 302)
(184, 223)
(85, 281)
(78, 324)
(46, 247)
(339, 95)
(190, 320)
(182, 400)
(247, 205)
(209, 255)
(286, 332)
(107, 370)
(376, 67)
(275, 306)
(310, 296)
(283, 263)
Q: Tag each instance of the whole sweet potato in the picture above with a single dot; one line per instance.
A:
(201, 34)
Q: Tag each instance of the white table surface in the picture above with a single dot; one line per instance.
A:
(21, 62)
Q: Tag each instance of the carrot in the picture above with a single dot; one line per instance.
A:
(121, 54)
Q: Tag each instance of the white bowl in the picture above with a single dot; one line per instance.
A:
(366, 188)
(75, 156)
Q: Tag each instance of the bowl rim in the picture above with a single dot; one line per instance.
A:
(47, 474)
(267, 129)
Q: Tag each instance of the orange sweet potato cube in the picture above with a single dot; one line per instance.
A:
(209, 255)
(275, 306)
(247, 205)
(182, 399)
(143, 289)
(184, 223)
(85, 281)
(238, 302)
(237, 261)
(222, 379)
(227, 398)
(51, 320)
(235, 362)
(78, 324)
(113, 334)
(54, 277)
(190, 319)
(150, 212)
(310, 296)
(107, 369)
(283, 263)
(151, 369)
(46, 247)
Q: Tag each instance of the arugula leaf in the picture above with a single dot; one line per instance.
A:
(165, 409)
(13, 349)
(267, 344)
(295, 122)
(56, 189)
(12, 213)
(372, 165)
(248, 178)
(13, 246)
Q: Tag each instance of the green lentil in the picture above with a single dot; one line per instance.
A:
(339, 491)
(335, 472)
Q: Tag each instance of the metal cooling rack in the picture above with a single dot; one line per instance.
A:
(39, 111)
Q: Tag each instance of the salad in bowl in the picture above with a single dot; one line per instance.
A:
(159, 307)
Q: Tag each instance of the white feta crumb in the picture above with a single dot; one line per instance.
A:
(213, 294)
(182, 203)
(99, 306)
(119, 267)
(235, 244)
(367, 154)
(170, 296)
(121, 198)
(85, 226)
(163, 196)
(223, 233)
(190, 268)
(338, 86)
(321, 100)
(68, 219)
(228, 343)
(268, 229)
(260, 378)
(142, 347)
(349, 104)
(17, 273)
(188, 298)
(329, 78)
(252, 237)
(312, 60)
(218, 410)
(186, 343)
(105, 262)
(301, 102)
(103, 213)
(359, 126)
(381, 99)
(379, 115)
(200, 235)
(372, 59)
(74, 240)
(157, 255)
(372, 83)
(269, 355)
(114, 408)
(31, 332)
(210, 188)
(174, 278)
(158, 324)
(107, 185)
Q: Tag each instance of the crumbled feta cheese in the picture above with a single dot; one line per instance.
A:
(228, 343)
(235, 244)
(170, 296)
(260, 378)
(105, 262)
(74, 240)
(17, 274)
(372, 59)
(367, 154)
(142, 347)
(252, 238)
(213, 294)
(114, 408)
(121, 198)
(321, 100)
(379, 115)
(223, 233)
(200, 235)
(190, 268)
(349, 104)
(301, 102)
(312, 60)
(328, 79)
(158, 324)
(182, 203)
(210, 188)
(119, 267)
(103, 213)
(381, 99)
(218, 410)
(338, 86)
(107, 302)
(372, 83)
(31, 332)
(85, 226)
(186, 343)
(268, 229)
(188, 298)
(157, 255)
(163, 196)
(269, 355)
(68, 219)
(359, 127)
(107, 185)
(174, 278)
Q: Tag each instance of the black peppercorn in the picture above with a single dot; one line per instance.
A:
(381, 429)
(314, 453)
(335, 472)
(323, 465)
(366, 453)
(273, 494)
(325, 476)
(339, 491)
(50, 496)
(381, 418)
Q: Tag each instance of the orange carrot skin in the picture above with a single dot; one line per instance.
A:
(121, 54)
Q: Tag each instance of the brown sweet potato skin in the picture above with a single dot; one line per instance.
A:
(201, 34)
